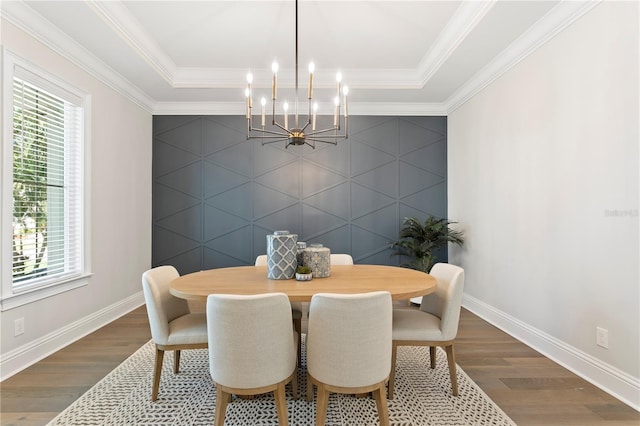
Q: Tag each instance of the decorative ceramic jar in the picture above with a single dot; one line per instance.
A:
(318, 258)
(281, 255)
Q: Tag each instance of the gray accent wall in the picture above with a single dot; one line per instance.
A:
(217, 195)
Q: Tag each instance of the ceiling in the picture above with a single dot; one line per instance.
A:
(397, 57)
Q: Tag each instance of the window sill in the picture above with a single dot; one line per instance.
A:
(30, 296)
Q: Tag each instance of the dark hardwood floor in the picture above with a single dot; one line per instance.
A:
(530, 388)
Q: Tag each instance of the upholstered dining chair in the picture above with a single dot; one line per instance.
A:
(341, 259)
(254, 350)
(349, 348)
(297, 312)
(173, 326)
(434, 324)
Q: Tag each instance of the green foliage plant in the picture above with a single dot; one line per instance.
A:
(30, 184)
(303, 270)
(419, 241)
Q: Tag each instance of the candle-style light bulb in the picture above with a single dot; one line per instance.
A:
(285, 107)
(312, 68)
(315, 113)
(246, 93)
(339, 81)
(263, 102)
(274, 85)
(249, 81)
(336, 101)
(345, 92)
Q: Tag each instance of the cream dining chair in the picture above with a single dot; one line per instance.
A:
(434, 324)
(349, 348)
(341, 259)
(173, 326)
(297, 311)
(254, 350)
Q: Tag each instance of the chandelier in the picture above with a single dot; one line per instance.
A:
(303, 130)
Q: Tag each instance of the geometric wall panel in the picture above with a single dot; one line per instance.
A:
(414, 179)
(216, 195)
(236, 201)
(317, 222)
(333, 200)
(428, 158)
(383, 178)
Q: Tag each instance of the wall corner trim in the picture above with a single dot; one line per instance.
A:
(24, 356)
(610, 379)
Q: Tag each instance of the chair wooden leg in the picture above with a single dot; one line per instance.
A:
(156, 374)
(297, 326)
(392, 374)
(322, 404)
(294, 384)
(451, 359)
(281, 405)
(432, 356)
(222, 399)
(381, 402)
(309, 389)
(176, 361)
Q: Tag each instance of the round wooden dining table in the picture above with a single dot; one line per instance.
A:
(402, 283)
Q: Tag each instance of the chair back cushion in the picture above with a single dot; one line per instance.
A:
(251, 339)
(162, 306)
(445, 303)
(349, 338)
(341, 259)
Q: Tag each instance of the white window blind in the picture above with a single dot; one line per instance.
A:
(47, 187)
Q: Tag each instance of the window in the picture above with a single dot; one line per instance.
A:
(46, 233)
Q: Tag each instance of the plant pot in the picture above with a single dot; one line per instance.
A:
(304, 277)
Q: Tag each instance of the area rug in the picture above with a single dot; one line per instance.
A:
(422, 397)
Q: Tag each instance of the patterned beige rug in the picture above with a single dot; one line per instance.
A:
(422, 397)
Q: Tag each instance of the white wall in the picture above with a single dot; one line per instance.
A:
(538, 161)
(121, 218)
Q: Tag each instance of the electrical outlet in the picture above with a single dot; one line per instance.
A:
(602, 337)
(18, 326)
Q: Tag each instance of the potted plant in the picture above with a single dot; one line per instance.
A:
(419, 241)
(303, 273)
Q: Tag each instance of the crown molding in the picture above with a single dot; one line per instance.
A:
(23, 17)
(233, 78)
(115, 14)
(356, 108)
(464, 20)
(552, 23)
(123, 23)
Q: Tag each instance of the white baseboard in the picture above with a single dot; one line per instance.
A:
(615, 382)
(20, 358)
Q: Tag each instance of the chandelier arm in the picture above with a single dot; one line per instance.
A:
(332, 142)
(317, 132)
(306, 125)
(281, 127)
(269, 132)
(274, 141)
(277, 136)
